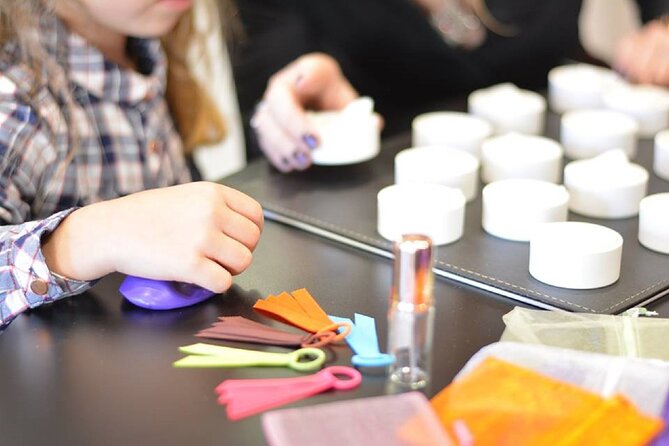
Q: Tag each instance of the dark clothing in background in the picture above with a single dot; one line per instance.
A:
(389, 50)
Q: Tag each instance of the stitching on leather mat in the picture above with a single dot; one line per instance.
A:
(657, 284)
(354, 234)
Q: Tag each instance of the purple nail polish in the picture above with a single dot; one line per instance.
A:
(301, 158)
(310, 140)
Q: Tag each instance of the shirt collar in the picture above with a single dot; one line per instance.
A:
(88, 68)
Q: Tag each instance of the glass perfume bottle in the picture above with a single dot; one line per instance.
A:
(411, 312)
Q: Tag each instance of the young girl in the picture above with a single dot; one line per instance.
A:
(84, 120)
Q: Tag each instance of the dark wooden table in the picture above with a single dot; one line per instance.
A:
(95, 370)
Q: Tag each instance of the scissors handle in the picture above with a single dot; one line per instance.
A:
(335, 328)
(306, 359)
(207, 355)
(351, 377)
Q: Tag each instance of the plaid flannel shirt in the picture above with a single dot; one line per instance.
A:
(125, 142)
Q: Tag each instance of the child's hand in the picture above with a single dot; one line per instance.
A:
(201, 233)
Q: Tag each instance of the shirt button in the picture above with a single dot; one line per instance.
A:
(39, 287)
(153, 146)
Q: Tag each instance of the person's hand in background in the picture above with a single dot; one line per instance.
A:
(312, 82)
(643, 56)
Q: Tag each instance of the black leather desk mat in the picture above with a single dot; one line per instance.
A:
(340, 203)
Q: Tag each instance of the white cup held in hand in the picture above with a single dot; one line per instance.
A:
(348, 136)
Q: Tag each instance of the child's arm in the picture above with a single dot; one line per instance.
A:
(200, 233)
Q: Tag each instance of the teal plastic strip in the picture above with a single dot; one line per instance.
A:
(368, 343)
(364, 342)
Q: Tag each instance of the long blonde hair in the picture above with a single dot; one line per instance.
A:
(196, 116)
(195, 113)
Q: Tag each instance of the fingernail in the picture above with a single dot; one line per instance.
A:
(310, 140)
(301, 158)
(298, 80)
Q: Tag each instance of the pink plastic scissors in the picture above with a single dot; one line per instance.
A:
(246, 397)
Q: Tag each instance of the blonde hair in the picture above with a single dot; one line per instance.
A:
(19, 22)
(197, 119)
(196, 115)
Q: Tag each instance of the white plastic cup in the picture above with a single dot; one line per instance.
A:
(654, 222)
(429, 209)
(452, 129)
(509, 109)
(578, 86)
(588, 133)
(661, 156)
(575, 255)
(348, 136)
(439, 165)
(515, 155)
(608, 186)
(648, 105)
(512, 209)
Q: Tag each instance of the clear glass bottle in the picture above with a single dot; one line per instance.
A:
(411, 312)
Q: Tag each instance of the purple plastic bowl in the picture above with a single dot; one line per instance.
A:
(162, 294)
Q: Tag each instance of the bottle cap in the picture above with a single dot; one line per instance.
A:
(412, 273)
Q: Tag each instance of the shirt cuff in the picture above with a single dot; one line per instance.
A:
(31, 273)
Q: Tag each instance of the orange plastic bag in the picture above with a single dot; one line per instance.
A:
(499, 403)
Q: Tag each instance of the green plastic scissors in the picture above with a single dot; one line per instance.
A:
(208, 355)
